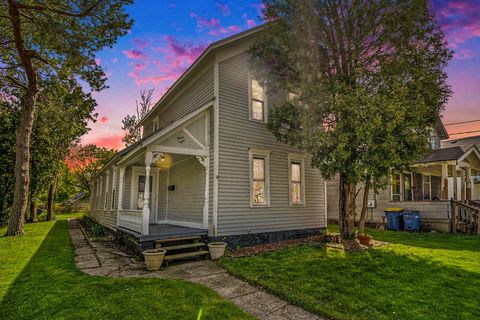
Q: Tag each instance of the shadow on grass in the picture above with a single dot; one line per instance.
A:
(372, 284)
(447, 241)
(51, 287)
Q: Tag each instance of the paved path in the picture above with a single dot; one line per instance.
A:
(107, 259)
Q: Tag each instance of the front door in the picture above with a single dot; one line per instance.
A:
(139, 195)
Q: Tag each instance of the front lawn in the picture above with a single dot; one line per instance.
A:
(416, 276)
(39, 280)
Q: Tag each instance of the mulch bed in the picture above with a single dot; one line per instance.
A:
(329, 240)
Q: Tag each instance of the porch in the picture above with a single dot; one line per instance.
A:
(163, 188)
(165, 231)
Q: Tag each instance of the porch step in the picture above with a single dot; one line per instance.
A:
(186, 255)
(184, 246)
(176, 239)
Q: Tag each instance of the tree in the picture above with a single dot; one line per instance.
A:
(130, 122)
(367, 81)
(86, 161)
(54, 39)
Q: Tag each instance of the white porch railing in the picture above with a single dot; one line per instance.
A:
(130, 219)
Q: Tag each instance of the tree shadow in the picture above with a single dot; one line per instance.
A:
(51, 287)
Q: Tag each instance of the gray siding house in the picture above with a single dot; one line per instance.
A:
(207, 163)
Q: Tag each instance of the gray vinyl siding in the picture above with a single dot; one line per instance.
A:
(186, 202)
(197, 94)
(102, 210)
(237, 134)
(162, 194)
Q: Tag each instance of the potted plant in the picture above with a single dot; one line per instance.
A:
(217, 249)
(153, 258)
(364, 239)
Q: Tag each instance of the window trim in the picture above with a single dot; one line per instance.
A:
(265, 154)
(296, 158)
(107, 181)
(391, 187)
(250, 100)
(429, 187)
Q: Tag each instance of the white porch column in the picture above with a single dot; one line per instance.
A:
(444, 184)
(462, 183)
(120, 193)
(469, 183)
(455, 183)
(204, 161)
(146, 196)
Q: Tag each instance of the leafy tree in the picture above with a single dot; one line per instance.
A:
(86, 161)
(367, 81)
(50, 39)
(130, 122)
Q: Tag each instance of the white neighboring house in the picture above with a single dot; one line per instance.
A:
(207, 164)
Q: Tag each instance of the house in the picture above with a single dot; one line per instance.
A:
(428, 188)
(207, 164)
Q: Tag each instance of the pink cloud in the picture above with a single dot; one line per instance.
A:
(114, 60)
(111, 141)
(458, 19)
(251, 23)
(140, 43)
(134, 54)
(103, 119)
(223, 8)
(97, 61)
(213, 25)
(464, 54)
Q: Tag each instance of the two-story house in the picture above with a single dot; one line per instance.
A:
(208, 165)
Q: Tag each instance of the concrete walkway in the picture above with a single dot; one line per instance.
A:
(106, 259)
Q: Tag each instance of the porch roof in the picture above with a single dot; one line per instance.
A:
(446, 154)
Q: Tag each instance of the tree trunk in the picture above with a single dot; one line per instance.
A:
(347, 208)
(363, 214)
(33, 212)
(51, 197)
(24, 130)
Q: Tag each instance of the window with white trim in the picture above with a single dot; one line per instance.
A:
(106, 190)
(296, 177)
(257, 100)
(427, 187)
(259, 177)
(407, 186)
(114, 178)
(396, 187)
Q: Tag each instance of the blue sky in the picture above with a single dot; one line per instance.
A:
(167, 36)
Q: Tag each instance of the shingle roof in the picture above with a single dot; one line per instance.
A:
(452, 153)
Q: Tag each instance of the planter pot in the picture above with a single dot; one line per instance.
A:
(153, 258)
(364, 239)
(217, 249)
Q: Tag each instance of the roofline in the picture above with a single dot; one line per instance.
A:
(213, 46)
(442, 127)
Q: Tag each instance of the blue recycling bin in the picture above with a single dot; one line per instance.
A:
(394, 218)
(411, 220)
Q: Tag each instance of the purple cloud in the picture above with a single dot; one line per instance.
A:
(134, 54)
(223, 8)
(140, 43)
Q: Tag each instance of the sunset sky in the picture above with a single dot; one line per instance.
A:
(167, 36)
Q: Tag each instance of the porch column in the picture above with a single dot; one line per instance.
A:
(455, 184)
(120, 193)
(469, 183)
(204, 161)
(146, 196)
(444, 184)
(462, 182)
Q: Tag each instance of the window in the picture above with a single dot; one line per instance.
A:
(114, 178)
(407, 187)
(296, 178)
(257, 101)
(427, 188)
(141, 191)
(259, 178)
(396, 188)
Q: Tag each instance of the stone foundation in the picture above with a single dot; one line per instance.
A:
(245, 240)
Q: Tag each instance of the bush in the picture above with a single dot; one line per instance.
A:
(93, 228)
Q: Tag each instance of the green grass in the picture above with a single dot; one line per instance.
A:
(416, 276)
(39, 280)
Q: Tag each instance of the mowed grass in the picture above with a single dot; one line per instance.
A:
(39, 280)
(416, 276)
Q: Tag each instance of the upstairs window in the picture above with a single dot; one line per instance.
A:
(296, 179)
(257, 101)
